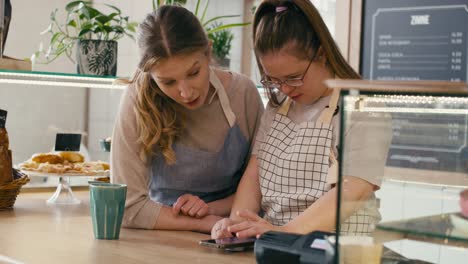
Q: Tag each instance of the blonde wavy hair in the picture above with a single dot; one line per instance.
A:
(298, 22)
(166, 32)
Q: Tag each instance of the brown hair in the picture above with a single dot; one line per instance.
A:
(166, 32)
(299, 23)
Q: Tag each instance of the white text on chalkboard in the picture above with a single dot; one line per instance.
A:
(420, 20)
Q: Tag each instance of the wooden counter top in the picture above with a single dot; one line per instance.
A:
(34, 232)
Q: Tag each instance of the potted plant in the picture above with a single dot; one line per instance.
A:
(221, 45)
(219, 33)
(95, 34)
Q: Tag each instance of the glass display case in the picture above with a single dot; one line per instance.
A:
(407, 141)
(42, 104)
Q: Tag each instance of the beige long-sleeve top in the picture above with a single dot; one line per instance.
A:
(206, 129)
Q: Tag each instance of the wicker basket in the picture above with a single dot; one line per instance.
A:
(9, 191)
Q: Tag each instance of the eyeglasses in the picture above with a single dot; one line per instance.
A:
(294, 82)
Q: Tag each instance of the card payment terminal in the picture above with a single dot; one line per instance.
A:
(278, 247)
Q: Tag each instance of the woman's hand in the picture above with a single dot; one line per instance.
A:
(253, 225)
(220, 229)
(191, 205)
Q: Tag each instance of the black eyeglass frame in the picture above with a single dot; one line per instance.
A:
(296, 82)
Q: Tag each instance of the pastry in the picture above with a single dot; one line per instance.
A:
(91, 166)
(50, 158)
(29, 165)
(51, 168)
(71, 156)
(66, 162)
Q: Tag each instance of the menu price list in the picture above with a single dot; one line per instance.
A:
(419, 43)
(430, 139)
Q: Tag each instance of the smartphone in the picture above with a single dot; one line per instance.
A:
(230, 243)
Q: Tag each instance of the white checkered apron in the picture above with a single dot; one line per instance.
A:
(294, 168)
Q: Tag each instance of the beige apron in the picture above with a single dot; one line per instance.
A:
(297, 166)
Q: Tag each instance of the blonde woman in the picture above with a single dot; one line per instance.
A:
(184, 130)
(289, 184)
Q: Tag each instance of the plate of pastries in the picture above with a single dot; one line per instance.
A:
(64, 163)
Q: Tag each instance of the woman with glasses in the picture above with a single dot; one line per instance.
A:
(291, 177)
(184, 132)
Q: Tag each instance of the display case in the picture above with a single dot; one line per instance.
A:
(408, 140)
(42, 104)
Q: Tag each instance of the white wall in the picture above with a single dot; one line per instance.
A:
(37, 113)
(128, 54)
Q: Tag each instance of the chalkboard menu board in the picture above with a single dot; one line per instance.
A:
(415, 40)
(420, 40)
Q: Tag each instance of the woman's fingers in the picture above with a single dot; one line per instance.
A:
(220, 229)
(176, 207)
(253, 225)
(197, 208)
(249, 215)
(250, 232)
(241, 226)
(189, 205)
(203, 211)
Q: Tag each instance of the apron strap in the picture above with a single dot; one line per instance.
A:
(326, 117)
(327, 114)
(223, 98)
(284, 108)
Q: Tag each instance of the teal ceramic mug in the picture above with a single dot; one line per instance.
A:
(107, 204)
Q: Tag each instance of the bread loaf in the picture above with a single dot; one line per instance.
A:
(71, 156)
(50, 158)
(6, 170)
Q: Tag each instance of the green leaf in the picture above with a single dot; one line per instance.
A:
(104, 19)
(109, 29)
(47, 30)
(117, 29)
(204, 12)
(97, 24)
(113, 15)
(94, 12)
(55, 37)
(70, 7)
(227, 26)
(196, 8)
(218, 17)
(84, 12)
(132, 26)
(156, 4)
(53, 14)
(72, 23)
(115, 8)
(86, 25)
(84, 31)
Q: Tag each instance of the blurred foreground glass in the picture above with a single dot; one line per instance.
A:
(409, 140)
(107, 204)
